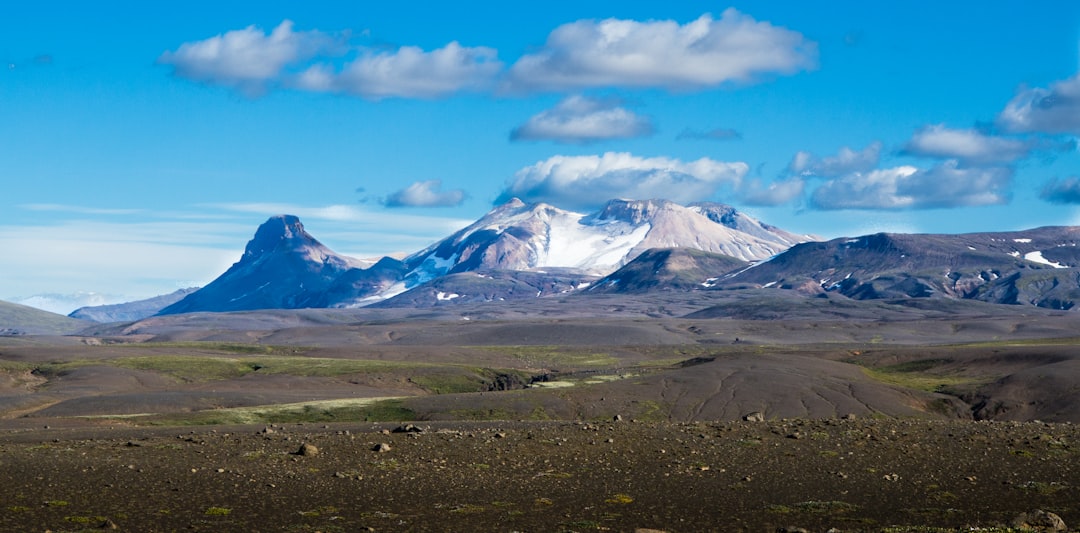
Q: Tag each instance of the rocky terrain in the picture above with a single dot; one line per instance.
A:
(849, 474)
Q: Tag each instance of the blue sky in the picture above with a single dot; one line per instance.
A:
(141, 144)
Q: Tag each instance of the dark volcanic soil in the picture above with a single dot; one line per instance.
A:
(852, 475)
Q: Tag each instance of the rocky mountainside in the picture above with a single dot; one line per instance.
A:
(130, 311)
(1034, 267)
(283, 267)
(669, 269)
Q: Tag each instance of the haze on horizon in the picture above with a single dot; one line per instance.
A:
(144, 144)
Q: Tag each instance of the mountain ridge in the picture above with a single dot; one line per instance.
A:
(285, 267)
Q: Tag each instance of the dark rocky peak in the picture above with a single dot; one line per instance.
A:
(719, 213)
(276, 231)
(633, 211)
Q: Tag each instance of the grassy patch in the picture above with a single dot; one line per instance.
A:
(483, 414)
(218, 511)
(916, 380)
(813, 507)
(345, 410)
(620, 498)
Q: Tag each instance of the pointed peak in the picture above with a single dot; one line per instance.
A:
(273, 232)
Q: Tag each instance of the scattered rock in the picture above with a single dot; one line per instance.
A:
(892, 477)
(1040, 520)
(756, 416)
(307, 450)
(381, 447)
(792, 529)
(408, 428)
(850, 416)
(617, 418)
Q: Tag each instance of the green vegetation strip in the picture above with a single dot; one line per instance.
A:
(915, 375)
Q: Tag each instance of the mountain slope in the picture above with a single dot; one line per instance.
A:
(669, 269)
(517, 236)
(489, 286)
(16, 319)
(283, 267)
(130, 311)
(1038, 267)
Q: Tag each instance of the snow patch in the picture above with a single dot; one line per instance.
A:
(446, 297)
(1023, 241)
(1037, 257)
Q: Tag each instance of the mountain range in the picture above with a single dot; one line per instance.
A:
(515, 251)
(522, 251)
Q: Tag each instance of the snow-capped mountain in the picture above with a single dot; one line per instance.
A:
(283, 267)
(519, 236)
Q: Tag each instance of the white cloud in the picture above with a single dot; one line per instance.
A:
(425, 194)
(247, 59)
(134, 259)
(845, 162)
(969, 146)
(61, 208)
(357, 219)
(409, 72)
(580, 120)
(586, 182)
(755, 192)
(907, 187)
(1062, 191)
(627, 53)
(1037, 109)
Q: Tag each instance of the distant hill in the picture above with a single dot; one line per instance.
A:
(18, 319)
(1039, 267)
(130, 311)
(669, 269)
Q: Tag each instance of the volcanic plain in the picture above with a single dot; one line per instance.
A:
(673, 412)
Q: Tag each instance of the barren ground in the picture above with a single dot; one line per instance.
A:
(876, 416)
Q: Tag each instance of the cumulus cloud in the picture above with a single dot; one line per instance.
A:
(582, 120)
(847, 161)
(1062, 191)
(968, 146)
(425, 194)
(907, 187)
(1038, 109)
(627, 53)
(248, 59)
(409, 72)
(755, 192)
(586, 182)
(253, 61)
